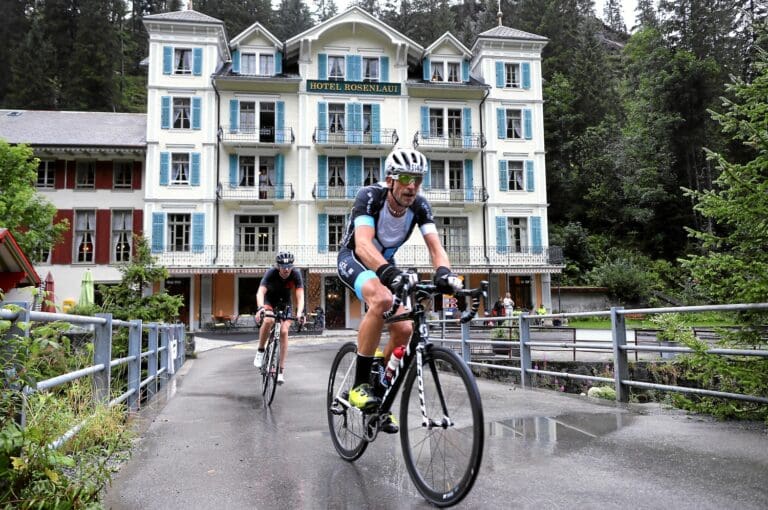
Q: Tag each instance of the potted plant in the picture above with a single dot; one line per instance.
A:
(502, 335)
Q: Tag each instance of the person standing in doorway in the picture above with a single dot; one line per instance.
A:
(509, 304)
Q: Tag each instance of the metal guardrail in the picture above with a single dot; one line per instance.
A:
(164, 353)
(375, 138)
(619, 347)
(257, 136)
(458, 142)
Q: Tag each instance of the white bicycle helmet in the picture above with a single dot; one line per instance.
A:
(406, 161)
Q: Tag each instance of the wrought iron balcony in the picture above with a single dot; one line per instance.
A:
(275, 193)
(334, 193)
(461, 196)
(357, 137)
(253, 136)
(426, 142)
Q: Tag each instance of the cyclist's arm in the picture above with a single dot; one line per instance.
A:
(299, 303)
(436, 251)
(260, 295)
(365, 250)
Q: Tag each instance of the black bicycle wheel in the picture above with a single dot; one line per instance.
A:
(273, 366)
(345, 422)
(442, 460)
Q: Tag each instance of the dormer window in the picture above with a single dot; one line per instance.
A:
(512, 76)
(266, 65)
(443, 71)
(248, 63)
(370, 69)
(257, 64)
(182, 61)
(335, 68)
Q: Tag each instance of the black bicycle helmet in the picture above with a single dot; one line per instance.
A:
(406, 161)
(284, 258)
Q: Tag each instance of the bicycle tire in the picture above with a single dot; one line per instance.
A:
(442, 462)
(273, 367)
(346, 427)
(263, 368)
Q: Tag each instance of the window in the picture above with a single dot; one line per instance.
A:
(367, 118)
(437, 71)
(512, 76)
(515, 173)
(370, 171)
(247, 171)
(336, 223)
(336, 119)
(370, 69)
(442, 71)
(335, 172)
(266, 175)
(85, 175)
(266, 65)
(456, 175)
(179, 168)
(436, 127)
(453, 232)
(181, 113)
(437, 174)
(182, 58)
(247, 116)
(454, 72)
(267, 122)
(247, 63)
(179, 228)
(336, 68)
(514, 124)
(122, 235)
(517, 233)
(85, 235)
(255, 233)
(42, 256)
(454, 123)
(46, 171)
(122, 175)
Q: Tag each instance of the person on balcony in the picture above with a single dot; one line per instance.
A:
(383, 217)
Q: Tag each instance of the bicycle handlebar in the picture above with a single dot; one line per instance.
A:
(279, 316)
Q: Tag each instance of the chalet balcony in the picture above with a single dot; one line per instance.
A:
(380, 139)
(257, 137)
(459, 197)
(429, 142)
(263, 194)
(334, 193)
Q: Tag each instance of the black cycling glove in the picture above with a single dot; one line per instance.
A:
(392, 277)
(446, 281)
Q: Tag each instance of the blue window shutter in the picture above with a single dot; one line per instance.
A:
(196, 101)
(428, 176)
(349, 129)
(427, 74)
(280, 121)
(322, 122)
(322, 233)
(234, 115)
(382, 168)
(469, 180)
(466, 126)
(503, 176)
(529, 177)
(322, 177)
(528, 123)
(501, 123)
(198, 232)
(197, 61)
(165, 112)
(234, 170)
(501, 234)
(280, 176)
(376, 123)
(465, 70)
(536, 234)
(526, 70)
(354, 67)
(194, 172)
(165, 167)
(384, 71)
(167, 59)
(322, 66)
(279, 62)
(425, 121)
(158, 231)
(354, 175)
(236, 61)
(499, 74)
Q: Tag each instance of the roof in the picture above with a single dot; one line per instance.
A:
(59, 128)
(256, 28)
(502, 32)
(15, 267)
(188, 15)
(452, 39)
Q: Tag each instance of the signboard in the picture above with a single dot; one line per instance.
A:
(353, 87)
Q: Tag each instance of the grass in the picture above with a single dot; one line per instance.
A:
(696, 320)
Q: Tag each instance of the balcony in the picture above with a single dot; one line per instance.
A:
(341, 194)
(257, 137)
(381, 139)
(264, 194)
(459, 197)
(468, 143)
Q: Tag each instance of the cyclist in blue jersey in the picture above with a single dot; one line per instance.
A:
(383, 217)
(275, 293)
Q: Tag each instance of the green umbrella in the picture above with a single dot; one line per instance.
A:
(86, 289)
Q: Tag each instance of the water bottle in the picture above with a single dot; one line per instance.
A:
(394, 362)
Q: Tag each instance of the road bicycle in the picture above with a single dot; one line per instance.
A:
(441, 414)
(270, 367)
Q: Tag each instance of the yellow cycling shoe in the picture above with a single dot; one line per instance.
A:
(389, 424)
(363, 398)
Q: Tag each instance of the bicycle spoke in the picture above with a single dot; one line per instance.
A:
(344, 422)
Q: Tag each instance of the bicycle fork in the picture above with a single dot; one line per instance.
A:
(426, 421)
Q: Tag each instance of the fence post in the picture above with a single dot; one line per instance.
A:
(134, 367)
(620, 365)
(102, 355)
(10, 372)
(182, 345)
(164, 354)
(465, 352)
(152, 361)
(525, 351)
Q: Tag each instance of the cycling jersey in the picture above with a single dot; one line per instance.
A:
(279, 289)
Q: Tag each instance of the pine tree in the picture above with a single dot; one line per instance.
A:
(291, 17)
(646, 14)
(237, 15)
(33, 85)
(13, 27)
(326, 9)
(612, 16)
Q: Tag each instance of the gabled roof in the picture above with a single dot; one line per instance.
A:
(502, 32)
(185, 16)
(254, 29)
(449, 37)
(15, 267)
(76, 129)
(189, 17)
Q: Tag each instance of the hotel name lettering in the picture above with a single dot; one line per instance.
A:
(353, 87)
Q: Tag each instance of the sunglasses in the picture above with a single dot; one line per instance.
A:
(406, 179)
(285, 266)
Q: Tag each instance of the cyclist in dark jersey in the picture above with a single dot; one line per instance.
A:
(275, 293)
(383, 217)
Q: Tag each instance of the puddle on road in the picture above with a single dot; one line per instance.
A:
(566, 431)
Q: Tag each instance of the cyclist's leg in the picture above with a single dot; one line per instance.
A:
(266, 327)
(285, 326)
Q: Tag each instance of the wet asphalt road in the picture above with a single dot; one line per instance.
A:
(214, 445)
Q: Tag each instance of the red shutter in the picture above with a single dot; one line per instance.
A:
(62, 252)
(138, 221)
(70, 172)
(136, 177)
(59, 177)
(104, 177)
(103, 221)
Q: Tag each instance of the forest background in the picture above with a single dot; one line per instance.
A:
(632, 132)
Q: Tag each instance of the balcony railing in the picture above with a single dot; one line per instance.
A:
(325, 192)
(382, 137)
(263, 193)
(463, 258)
(255, 136)
(462, 142)
(461, 196)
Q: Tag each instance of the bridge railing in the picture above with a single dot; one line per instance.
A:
(527, 335)
(161, 345)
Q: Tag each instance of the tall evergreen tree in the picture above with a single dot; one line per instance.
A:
(237, 15)
(612, 15)
(433, 18)
(325, 9)
(13, 27)
(32, 84)
(646, 14)
(291, 17)
(371, 6)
